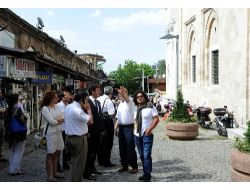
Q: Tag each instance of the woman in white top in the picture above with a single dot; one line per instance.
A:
(146, 120)
(52, 118)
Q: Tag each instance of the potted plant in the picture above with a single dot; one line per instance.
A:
(179, 124)
(240, 158)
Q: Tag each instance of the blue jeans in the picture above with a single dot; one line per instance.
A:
(144, 146)
(127, 146)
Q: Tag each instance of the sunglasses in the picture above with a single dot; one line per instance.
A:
(139, 97)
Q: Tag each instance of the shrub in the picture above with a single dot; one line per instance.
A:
(243, 144)
(179, 113)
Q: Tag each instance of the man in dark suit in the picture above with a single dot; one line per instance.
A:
(93, 133)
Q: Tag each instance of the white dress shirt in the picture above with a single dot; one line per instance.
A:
(75, 120)
(125, 112)
(108, 106)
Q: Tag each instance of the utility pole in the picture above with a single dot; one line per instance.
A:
(143, 79)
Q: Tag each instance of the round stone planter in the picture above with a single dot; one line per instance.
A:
(240, 166)
(182, 131)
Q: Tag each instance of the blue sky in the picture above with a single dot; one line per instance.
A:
(117, 34)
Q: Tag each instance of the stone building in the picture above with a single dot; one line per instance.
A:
(31, 62)
(208, 56)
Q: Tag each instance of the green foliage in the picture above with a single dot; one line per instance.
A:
(162, 67)
(130, 75)
(243, 144)
(179, 114)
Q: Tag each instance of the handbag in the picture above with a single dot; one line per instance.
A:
(17, 126)
(40, 138)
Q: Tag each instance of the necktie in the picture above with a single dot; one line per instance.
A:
(96, 105)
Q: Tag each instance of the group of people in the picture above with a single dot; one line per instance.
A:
(83, 129)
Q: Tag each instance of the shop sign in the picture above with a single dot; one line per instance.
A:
(42, 77)
(69, 82)
(58, 79)
(22, 68)
(3, 66)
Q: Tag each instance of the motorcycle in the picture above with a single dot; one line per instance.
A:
(202, 113)
(223, 120)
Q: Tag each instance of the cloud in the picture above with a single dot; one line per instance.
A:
(96, 13)
(49, 13)
(146, 18)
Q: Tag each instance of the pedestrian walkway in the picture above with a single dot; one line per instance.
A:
(204, 159)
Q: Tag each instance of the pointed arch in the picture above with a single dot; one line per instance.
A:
(190, 51)
(210, 45)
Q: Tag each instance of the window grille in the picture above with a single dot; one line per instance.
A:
(193, 68)
(215, 67)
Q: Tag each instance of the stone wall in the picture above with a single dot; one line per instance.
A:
(232, 41)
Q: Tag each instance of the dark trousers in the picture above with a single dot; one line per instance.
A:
(127, 146)
(93, 146)
(1, 136)
(106, 143)
(77, 145)
(144, 146)
(66, 155)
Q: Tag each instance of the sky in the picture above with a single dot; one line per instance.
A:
(115, 33)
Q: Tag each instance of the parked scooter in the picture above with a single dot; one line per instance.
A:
(223, 120)
(202, 113)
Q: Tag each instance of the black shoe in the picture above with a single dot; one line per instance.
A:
(146, 179)
(90, 177)
(2, 159)
(141, 178)
(123, 169)
(109, 165)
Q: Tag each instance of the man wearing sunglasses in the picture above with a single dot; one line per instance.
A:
(146, 120)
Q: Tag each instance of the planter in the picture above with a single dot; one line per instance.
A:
(182, 131)
(240, 166)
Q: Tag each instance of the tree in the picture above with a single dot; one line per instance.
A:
(179, 113)
(130, 75)
(161, 67)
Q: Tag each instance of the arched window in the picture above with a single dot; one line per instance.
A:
(211, 66)
(191, 66)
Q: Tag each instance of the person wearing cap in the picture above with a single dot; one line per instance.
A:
(106, 144)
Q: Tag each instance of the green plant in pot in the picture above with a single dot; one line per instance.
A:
(179, 124)
(240, 158)
(243, 145)
(179, 113)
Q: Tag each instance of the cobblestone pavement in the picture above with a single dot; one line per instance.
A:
(204, 159)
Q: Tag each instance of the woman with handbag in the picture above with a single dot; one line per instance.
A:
(52, 118)
(17, 130)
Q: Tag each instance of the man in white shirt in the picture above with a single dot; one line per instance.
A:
(146, 120)
(65, 96)
(77, 116)
(106, 144)
(125, 122)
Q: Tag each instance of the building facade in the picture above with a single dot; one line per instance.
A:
(31, 62)
(213, 57)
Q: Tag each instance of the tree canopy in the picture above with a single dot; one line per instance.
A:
(130, 75)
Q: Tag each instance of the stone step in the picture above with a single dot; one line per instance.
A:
(236, 132)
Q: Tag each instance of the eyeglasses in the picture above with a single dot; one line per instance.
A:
(139, 97)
